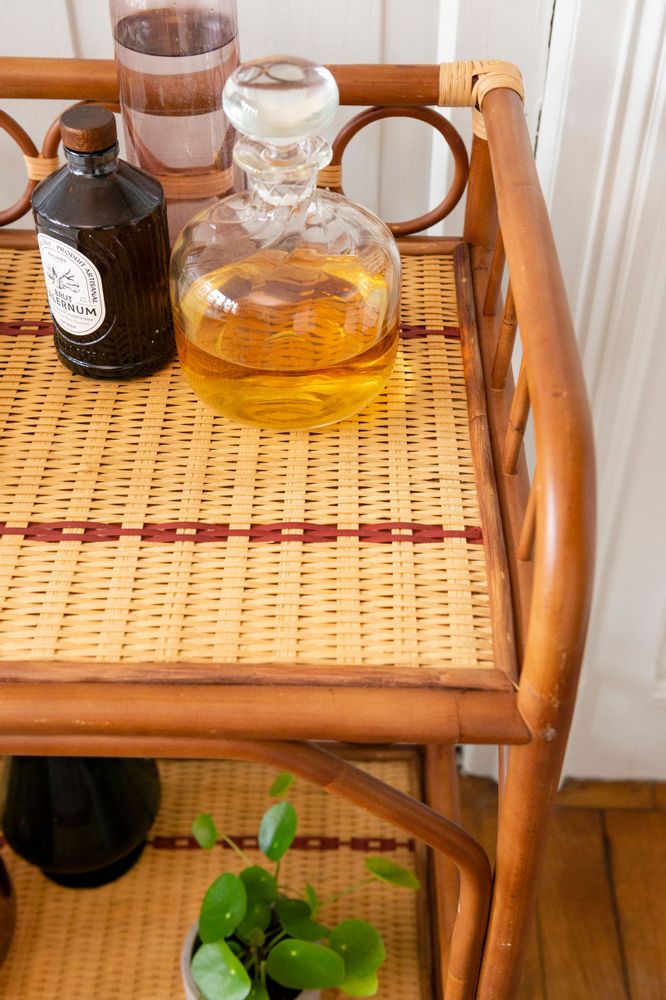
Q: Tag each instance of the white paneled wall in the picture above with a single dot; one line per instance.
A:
(515, 30)
(601, 158)
(600, 155)
(346, 31)
(393, 167)
(31, 29)
(372, 31)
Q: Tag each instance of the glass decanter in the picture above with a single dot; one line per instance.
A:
(285, 297)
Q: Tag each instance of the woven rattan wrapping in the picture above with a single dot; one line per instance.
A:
(136, 525)
(39, 167)
(122, 941)
(465, 84)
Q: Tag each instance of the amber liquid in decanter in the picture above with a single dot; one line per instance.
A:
(330, 346)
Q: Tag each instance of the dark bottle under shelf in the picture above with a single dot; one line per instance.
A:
(82, 820)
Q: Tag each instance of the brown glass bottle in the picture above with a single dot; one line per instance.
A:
(104, 243)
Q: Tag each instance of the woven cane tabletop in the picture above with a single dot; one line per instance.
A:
(136, 525)
(122, 941)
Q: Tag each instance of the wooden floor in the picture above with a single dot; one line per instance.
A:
(600, 931)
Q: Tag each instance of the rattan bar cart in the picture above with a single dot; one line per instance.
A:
(179, 587)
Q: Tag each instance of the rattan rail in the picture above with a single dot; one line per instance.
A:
(177, 586)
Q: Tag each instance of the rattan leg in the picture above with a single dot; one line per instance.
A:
(443, 795)
(532, 773)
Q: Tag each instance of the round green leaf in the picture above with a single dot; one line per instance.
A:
(361, 986)
(359, 945)
(389, 871)
(277, 830)
(222, 909)
(303, 965)
(281, 784)
(204, 831)
(218, 973)
(259, 884)
(257, 917)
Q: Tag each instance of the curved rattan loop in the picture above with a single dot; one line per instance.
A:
(39, 165)
(28, 148)
(331, 176)
(326, 770)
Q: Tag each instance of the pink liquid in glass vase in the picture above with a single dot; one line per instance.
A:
(173, 57)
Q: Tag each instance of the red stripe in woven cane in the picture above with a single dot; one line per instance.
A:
(36, 328)
(248, 842)
(195, 531)
(408, 332)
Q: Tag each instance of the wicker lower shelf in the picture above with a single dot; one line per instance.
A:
(123, 940)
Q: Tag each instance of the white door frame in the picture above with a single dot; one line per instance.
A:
(600, 154)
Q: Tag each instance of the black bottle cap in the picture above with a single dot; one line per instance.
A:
(88, 128)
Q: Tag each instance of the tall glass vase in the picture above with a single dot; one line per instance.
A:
(173, 57)
(82, 820)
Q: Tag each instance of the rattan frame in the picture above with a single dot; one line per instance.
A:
(548, 531)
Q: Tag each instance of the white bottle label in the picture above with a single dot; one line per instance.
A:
(74, 287)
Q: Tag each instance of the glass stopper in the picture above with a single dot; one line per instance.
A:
(280, 100)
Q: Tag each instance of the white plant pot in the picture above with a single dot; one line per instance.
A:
(191, 991)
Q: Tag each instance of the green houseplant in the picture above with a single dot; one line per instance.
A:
(257, 939)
